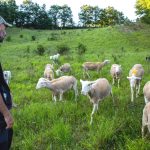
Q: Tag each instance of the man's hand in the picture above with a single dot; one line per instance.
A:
(9, 120)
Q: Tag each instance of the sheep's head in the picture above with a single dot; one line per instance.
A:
(41, 83)
(132, 80)
(86, 86)
(58, 72)
(106, 61)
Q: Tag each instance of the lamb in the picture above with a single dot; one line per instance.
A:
(135, 77)
(55, 58)
(116, 72)
(93, 66)
(66, 68)
(7, 76)
(146, 92)
(48, 72)
(96, 91)
(146, 118)
(59, 85)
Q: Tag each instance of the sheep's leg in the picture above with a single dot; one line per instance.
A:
(146, 100)
(132, 94)
(111, 93)
(118, 83)
(139, 86)
(113, 81)
(60, 96)
(144, 121)
(75, 90)
(94, 109)
(143, 130)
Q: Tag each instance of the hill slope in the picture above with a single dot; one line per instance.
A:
(40, 124)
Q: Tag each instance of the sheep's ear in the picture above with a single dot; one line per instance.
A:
(81, 80)
(129, 78)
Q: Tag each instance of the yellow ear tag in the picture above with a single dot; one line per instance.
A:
(134, 72)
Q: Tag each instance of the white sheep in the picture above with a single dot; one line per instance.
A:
(55, 58)
(59, 85)
(93, 66)
(96, 91)
(135, 77)
(146, 92)
(7, 76)
(116, 72)
(65, 68)
(146, 118)
(48, 72)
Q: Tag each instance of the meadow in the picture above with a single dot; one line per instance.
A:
(42, 125)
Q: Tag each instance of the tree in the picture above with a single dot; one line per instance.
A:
(66, 16)
(86, 15)
(54, 14)
(143, 10)
(8, 10)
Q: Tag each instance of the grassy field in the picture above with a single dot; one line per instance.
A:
(42, 125)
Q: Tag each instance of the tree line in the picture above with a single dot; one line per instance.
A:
(32, 15)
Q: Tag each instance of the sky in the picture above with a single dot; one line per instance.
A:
(125, 6)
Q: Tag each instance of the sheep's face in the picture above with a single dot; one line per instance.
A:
(41, 83)
(86, 86)
(132, 80)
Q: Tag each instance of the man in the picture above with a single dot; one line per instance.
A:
(6, 120)
(3, 25)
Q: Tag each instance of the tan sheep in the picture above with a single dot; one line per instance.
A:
(48, 72)
(135, 77)
(146, 118)
(59, 85)
(146, 92)
(96, 91)
(65, 68)
(116, 72)
(93, 66)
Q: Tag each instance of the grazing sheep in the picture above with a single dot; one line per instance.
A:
(146, 118)
(146, 91)
(66, 68)
(96, 91)
(135, 76)
(116, 72)
(59, 85)
(55, 58)
(93, 66)
(48, 72)
(7, 76)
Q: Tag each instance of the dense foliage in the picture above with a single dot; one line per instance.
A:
(143, 10)
(32, 15)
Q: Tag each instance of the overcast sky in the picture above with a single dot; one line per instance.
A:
(126, 6)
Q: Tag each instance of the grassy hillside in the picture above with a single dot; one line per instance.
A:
(42, 125)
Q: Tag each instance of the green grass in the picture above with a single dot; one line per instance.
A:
(42, 125)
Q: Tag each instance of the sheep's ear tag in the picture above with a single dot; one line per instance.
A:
(134, 72)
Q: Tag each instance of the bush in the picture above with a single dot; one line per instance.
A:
(21, 36)
(63, 49)
(33, 38)
(8, 39)
(81, 48)
(40, 50)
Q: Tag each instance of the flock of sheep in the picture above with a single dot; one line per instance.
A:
(96, 90)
